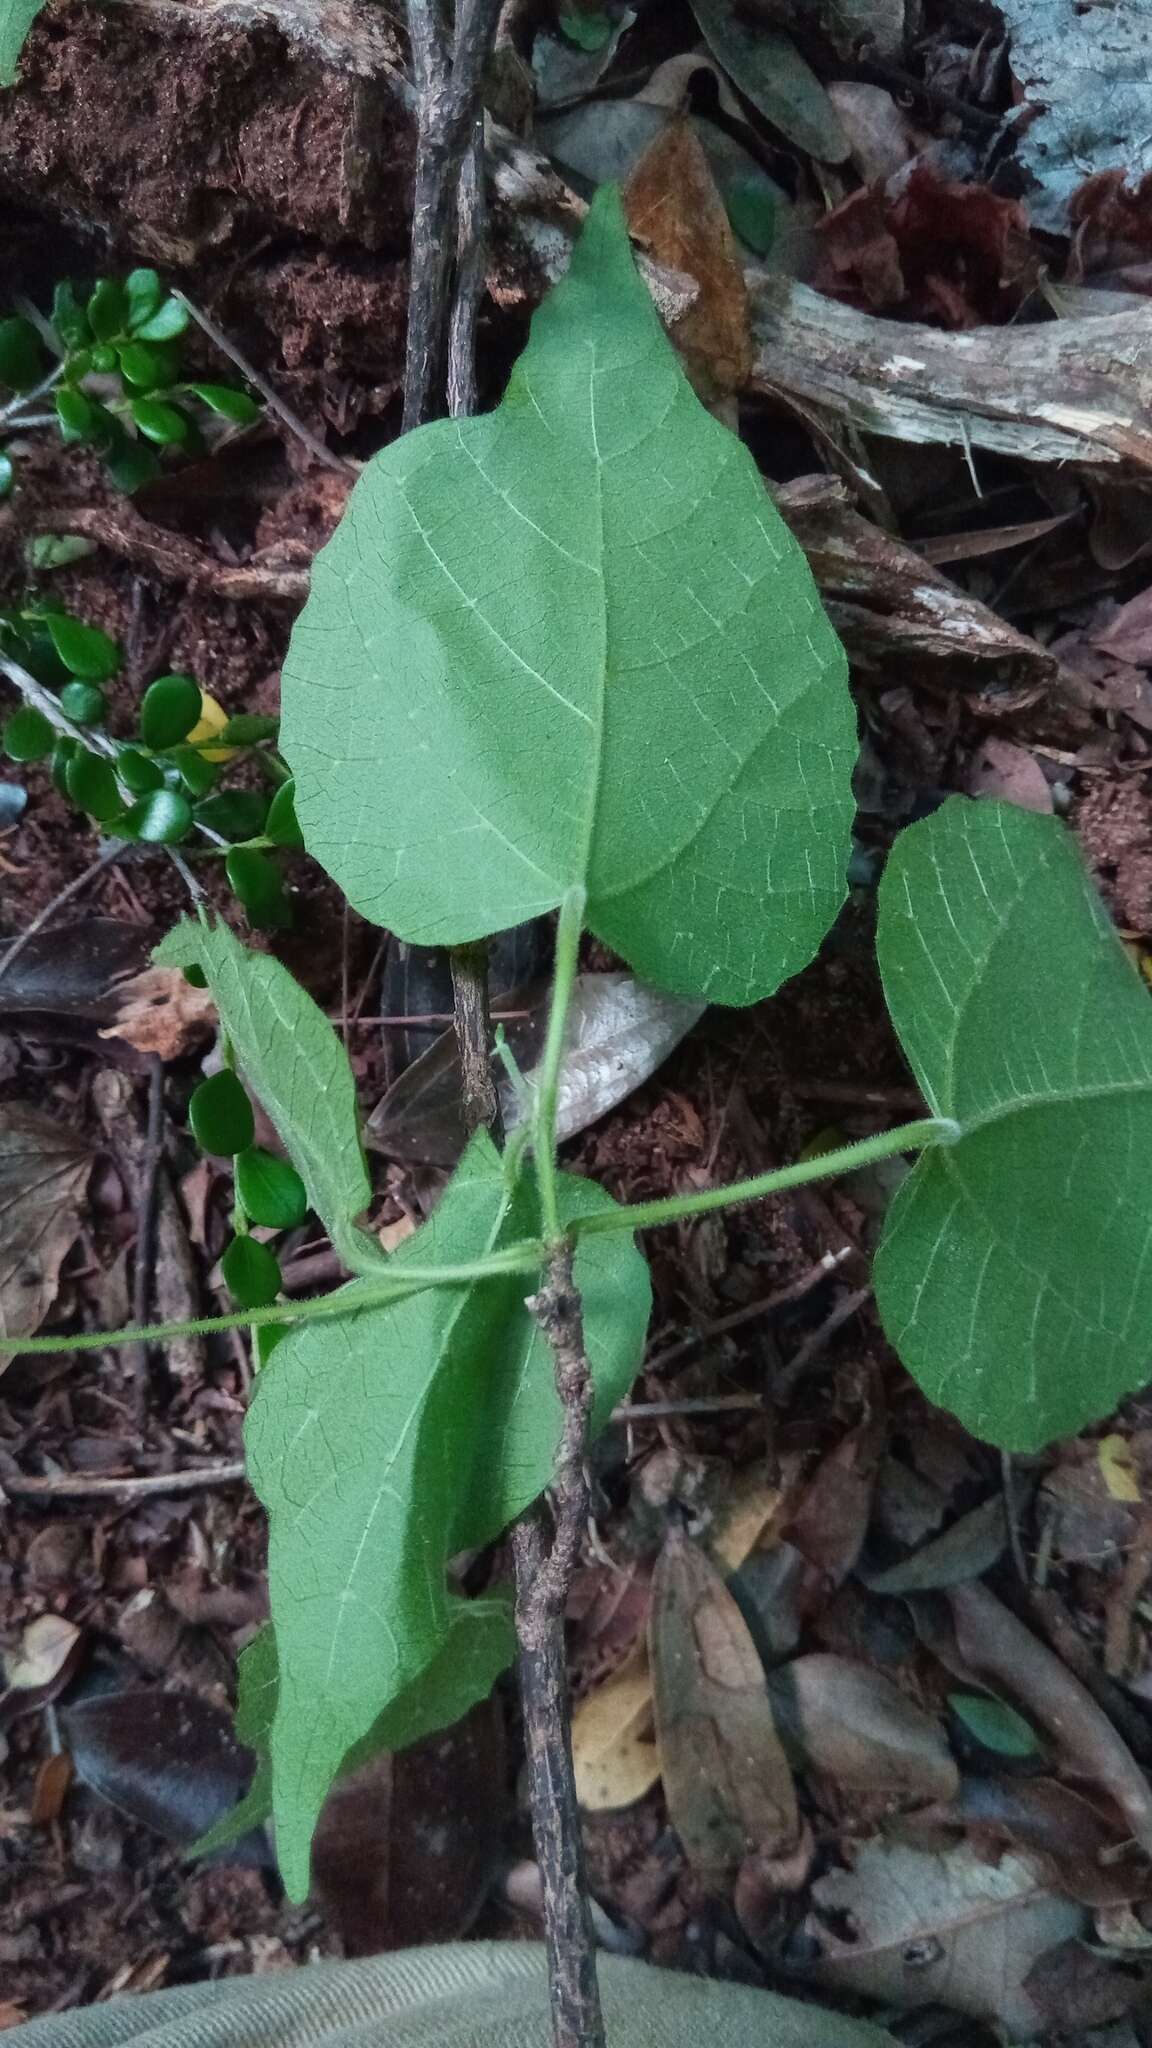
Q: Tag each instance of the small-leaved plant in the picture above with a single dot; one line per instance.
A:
(109, 366)
(157, 787)
(566, 657)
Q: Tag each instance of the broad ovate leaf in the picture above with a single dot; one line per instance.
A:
(296, 1065)
(385, 1441)
(1015, 1272)
(571, 643)
(16, 18)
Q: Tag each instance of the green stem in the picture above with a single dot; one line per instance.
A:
(846, 1159)
(568, 928)
(517, 1258)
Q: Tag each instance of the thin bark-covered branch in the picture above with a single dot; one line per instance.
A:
(472, 1018)
(543, 1576)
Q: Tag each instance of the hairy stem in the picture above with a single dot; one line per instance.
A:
(824, 1166)
(543, 1577)
(568, 929)
(517, 1258)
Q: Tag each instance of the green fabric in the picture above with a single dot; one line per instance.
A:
(468, 1995)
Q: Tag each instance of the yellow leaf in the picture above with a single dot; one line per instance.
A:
(613, 1738)
(213, 718)
(1117, 1469)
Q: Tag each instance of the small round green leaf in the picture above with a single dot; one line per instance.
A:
(69, 318)
(195, 977)
(92, 784)
(138, 772)
(21, 355)
(142, 365)
(281, 825)
(62, 754)
(108, 310)
(165, 324)
(221, 1115)
(257, 882)
(131, 463)
(84, 650)
(77, 415)
(28, 735)
(144, 292)
(161, 818)
(196, 772)
(84, 702)
(251, 1273)
(160, 422)
(270, 1190)
(228, 402)
(104, 359)
(169, 710)
(234, 813)
(993, 1724)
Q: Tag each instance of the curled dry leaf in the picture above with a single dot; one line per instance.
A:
(47, 1647)
(848, 1723)
(43, 1173)
(1082, 1847)
(965, 1551)
(727, 1780)
(912, 1928)
(675, 212)
(160, 1012)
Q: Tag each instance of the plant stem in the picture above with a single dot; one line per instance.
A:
(543, 1576)
(517, 1258)
(566, 958)
(268, 392)
(481, 1101)
(846, 1159)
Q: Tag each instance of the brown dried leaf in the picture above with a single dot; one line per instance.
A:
(851, 1724)
(726, 1779)
(999, 768)
(43, 1173)
(674, 209)
(160, 1012)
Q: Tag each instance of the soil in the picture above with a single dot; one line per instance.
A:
(290, 230)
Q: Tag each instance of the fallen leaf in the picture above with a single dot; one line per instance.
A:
(1083, 72)
(406, 1846)
(47, 1645)
(1075, 1990)
(999, 768)
(1117, 1468)
(1128, 634)
(674, 211)
(618, 1033)
(910, 1928)
(71, 974)
(565, 70)
(769, 70)
(167, 1759)
(1083, 1849)
(613, 1741)
(43, 1173)
(727, 1781)
(878, 131)
(965, 1551)
(848, 1723)
(51, 1789)
(614, 1751)
(160, 1012)
(996, 1647)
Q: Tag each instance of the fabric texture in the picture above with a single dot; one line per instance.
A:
(464, 1995)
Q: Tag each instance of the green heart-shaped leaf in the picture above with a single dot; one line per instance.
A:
(571, 643)
(385, 1441)
(1015, 1272)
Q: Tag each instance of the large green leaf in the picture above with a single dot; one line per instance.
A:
(384, 1442)
(571, 643)
(16, 18)
(296, 1065)
(1015, 1273)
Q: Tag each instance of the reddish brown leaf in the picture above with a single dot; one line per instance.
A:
(675, 211)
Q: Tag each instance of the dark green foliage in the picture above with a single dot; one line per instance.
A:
(170, 709)
(269, 1190)
(221, 1115)
(28, 735)
(251, 1273)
